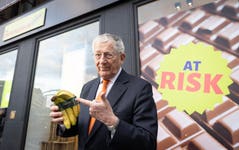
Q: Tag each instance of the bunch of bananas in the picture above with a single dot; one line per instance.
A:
(65, 100)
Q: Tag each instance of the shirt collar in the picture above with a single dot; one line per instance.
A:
(112, 80)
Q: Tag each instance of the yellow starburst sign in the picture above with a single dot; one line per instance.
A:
(193, 77)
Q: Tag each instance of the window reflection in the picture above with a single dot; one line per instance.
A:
(7, 66)
(66, 62)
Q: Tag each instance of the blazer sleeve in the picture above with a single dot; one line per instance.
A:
(63, 132)
(140, 131)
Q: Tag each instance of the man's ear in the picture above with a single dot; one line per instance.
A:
(122, 56)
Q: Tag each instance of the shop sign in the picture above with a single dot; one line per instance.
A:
(24, 24)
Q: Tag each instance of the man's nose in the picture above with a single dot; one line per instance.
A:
(103, 58)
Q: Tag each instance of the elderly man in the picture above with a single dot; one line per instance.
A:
(117, 109)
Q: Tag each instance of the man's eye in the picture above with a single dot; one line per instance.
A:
(108, 55)
(97, 55)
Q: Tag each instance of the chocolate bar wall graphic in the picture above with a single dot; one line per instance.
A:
(215, 24)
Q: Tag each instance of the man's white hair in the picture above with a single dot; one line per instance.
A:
(116, 40)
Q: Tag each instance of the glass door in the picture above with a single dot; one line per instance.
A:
(7, 67)
(64, 62)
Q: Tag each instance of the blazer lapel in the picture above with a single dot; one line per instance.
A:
(85, 109)
(114, 96)
(117, 90)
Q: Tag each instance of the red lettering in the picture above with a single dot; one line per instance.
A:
(191, 79)
(192, 84)
(167, 79)
(208, 82)
(180, 81)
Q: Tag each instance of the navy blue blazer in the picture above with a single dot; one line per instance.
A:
(132, 101)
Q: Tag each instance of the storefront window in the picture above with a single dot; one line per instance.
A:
(7, 66)
(64, 62)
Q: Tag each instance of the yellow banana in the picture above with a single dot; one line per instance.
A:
(57, 100)
(76, 110)
(71, 115)
(66, 121)
(66, 95)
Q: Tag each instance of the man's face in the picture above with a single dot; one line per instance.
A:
(107, 60)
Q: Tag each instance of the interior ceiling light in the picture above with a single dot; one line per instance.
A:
(189, 2)
(177, 5)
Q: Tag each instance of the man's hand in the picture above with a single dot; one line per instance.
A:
(56, 115)
(101, 110)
